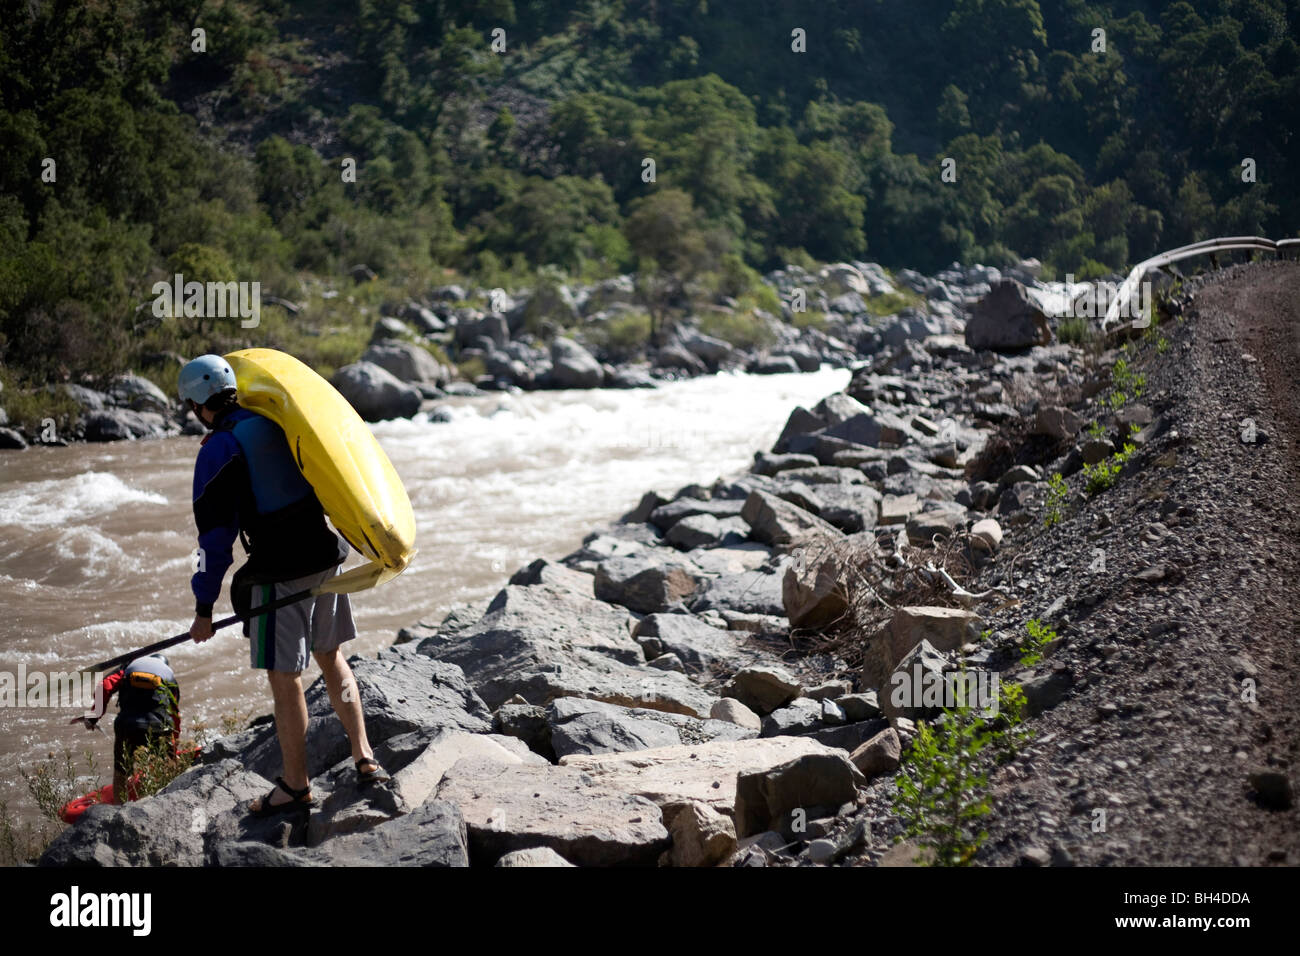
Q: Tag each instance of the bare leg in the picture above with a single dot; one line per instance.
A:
(291, 729)
(346, 701)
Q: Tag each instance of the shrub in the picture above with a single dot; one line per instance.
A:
(1058, 495)
(1039, 636)
(943, 780)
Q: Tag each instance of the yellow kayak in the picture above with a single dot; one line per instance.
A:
(337, 454)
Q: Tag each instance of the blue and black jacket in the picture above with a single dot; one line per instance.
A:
(247, 484)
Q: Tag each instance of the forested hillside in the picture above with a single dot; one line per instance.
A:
(227, 162)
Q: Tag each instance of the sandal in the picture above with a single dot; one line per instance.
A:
(377, 775)
(294, 805)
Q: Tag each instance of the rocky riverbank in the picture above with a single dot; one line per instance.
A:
(708, 681)
(558, 336)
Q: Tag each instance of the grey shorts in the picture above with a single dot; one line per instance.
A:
(283, 640)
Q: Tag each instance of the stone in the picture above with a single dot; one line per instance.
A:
(1007, 319)
(121, 424)
(534, 856)
(572, 366)
(705, 772)
(697, 644)
(406, 361)
(751, 592)
(800, 422)
(1272, 788)
(160, 830)
(701, 835)
(1045, 692)
(421, 776)
(904, 693)
(702, 531)
(433, 835)
(544, 642)
(896, 509)
(763, 688)
(768, 464)
(643, 584)
(520, 807)
(542, 571)
(859, 707)
(944, 628)
(670, 513)
(815, 589)
(986, 535)
(879, 755)
(733, 711)
(138, 394)
(799, 716)
(1057, 422)
(811, 781)
(375, 393)
(1096, 449)
(778, 523)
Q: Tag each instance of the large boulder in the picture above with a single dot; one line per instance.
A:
(701, 835)
(572, 366)
(406, 361)
(588, 823)
(434, 835)
(138, 394)
(751, 592)
(813, 782)
(178, 827)
(1007, 319)
(816, 587)
(542, 642)
(697, 644)
(122, 424)
(945, 628)
(376, 393)
(643, 583)
(779, 523)
(703, 772)
(579, 726)
(421, 777)
(763, 688)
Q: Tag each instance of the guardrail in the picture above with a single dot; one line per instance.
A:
(1129, 285)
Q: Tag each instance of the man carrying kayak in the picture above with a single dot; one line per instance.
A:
(247, 485)
(148, 700)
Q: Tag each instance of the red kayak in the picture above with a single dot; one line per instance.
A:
(73, 809)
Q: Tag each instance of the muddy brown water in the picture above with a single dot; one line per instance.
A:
(95, 540)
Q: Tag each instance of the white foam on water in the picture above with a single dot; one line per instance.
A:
(61, 501)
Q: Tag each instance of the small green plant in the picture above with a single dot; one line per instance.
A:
(1097, 430)
(943, 782)
(1162, 344)
(1126, 380)
(1039, 636)
(1058, 495)
(1101, 476)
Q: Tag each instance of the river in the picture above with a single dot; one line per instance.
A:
(95, 540)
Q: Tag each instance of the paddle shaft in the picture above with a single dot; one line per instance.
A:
(216, 626)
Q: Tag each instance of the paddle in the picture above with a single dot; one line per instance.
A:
(358, 579)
